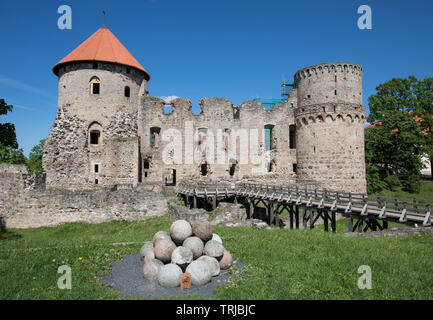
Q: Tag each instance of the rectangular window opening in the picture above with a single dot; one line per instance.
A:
(95, 88)
(95, 137)
(96, 168)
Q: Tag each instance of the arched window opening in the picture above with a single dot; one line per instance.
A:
(95, 85)
(232, 169)
(226, 139)
(292, 136)
(168, 109)
(146, 164)
(127, 92)
(203, 169)
(154, 137)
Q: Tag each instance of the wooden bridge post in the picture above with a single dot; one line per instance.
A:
(291, 213)
(297, 217)
(251, 208)
(194, 205)
(311, 218)
(214, 202)
(360, 225)
(325, 220)
(350, 224)
(333, 222)
(271, 212)
(304, 217)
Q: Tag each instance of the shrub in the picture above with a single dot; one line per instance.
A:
(393, 182)
(374, 182)
(412, 184)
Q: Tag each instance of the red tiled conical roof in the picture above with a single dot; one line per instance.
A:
(101, 46)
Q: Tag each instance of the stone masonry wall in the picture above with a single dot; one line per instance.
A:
(218, 118)
(24, 206)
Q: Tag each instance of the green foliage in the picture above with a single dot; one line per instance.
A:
(9, 152)
(396, 145)
(393, 182)
(412, 184)
(34, 162)
(394, 95)
(411, 96)
(11, 155)
(7, 130)
(424, 109)
(374, 182)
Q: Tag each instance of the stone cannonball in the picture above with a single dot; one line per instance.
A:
(150, 255)
(151, 269)
(195, 244)
(203, 229)
(226, 261)
(200, 272)
(212, 263)
(182, 257)
(180, 230)
(217, 238)
(163, 248)
(161, 235)
(146, 247)
(169, 275)
(214, 249)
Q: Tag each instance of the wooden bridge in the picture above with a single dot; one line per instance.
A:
(363, 211)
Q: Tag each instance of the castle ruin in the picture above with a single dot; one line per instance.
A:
(110, 131)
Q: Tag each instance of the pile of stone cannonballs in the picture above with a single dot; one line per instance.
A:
(187, 248)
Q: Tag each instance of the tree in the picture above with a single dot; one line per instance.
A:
(9, 152)
(396, 145)
(411, 96)
(7, 130)
(396, 94)
(423, 90)
(34, 161)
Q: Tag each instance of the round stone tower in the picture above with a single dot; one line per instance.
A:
(99, 91)
(330, 122)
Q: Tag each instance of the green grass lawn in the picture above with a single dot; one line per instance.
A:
(425, 193)
(281, 263)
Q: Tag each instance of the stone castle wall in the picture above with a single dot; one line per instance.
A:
(323, 116)
(224, 123)
(24, 204)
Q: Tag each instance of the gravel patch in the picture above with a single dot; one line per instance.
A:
(126, 277)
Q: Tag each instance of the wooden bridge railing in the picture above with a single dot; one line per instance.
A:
(309, 196)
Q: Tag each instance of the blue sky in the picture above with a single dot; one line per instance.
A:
(235, 49)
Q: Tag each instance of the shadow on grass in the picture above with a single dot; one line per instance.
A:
(6, 234)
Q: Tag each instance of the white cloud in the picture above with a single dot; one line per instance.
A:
(23, 86)
(168, 99)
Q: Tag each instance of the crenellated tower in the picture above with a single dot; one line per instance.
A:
(330, 122)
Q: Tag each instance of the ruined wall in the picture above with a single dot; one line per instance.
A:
(223, 123)
(24, 205)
